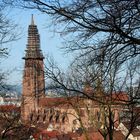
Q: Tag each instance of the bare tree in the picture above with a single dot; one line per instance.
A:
(111, 26)
(7, 34)
(10, 124)
(106, 33)
(9, 117)
(112, 93)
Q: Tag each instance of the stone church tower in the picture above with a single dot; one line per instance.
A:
(33, 77)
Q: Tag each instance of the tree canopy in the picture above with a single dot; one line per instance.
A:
(110, 27)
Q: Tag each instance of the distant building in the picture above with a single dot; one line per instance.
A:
(1, 101)
(10, 100)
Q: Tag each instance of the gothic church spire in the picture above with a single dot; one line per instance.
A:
(33, 77)
(33, 45)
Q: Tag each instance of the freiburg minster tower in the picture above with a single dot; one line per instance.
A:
(33, 76)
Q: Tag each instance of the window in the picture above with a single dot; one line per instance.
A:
(44, 118)
(57, 118)
(98, 115)
(63, 119)
(31, 117)
(51, 118)
(38, 117)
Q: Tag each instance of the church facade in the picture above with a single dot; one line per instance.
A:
(58, 113)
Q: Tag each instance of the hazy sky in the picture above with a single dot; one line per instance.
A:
(50, 44)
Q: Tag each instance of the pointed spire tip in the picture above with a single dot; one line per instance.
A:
(32, 20)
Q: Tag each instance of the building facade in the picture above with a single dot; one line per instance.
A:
(64, 114)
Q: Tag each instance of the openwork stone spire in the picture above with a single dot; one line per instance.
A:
(33, 46)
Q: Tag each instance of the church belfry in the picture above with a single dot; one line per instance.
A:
(33, 76)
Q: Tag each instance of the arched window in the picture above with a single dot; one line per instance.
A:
(51, 118)
(38, 117)
(44, 118)
(44, 111)
(63, 119)
(51, 110)
(57, 118)
(31, 117)
(98, 115)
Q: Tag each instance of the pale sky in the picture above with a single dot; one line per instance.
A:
(50, 44)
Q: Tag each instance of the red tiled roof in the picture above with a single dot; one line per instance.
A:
(118, 135)
(61, 101)
(92, 134)
(95, 135)
(9, 108)
(46, 134)
(119, 97)
(50, 134)
(50, 102)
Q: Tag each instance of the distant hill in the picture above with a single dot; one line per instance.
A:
(10, 90)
